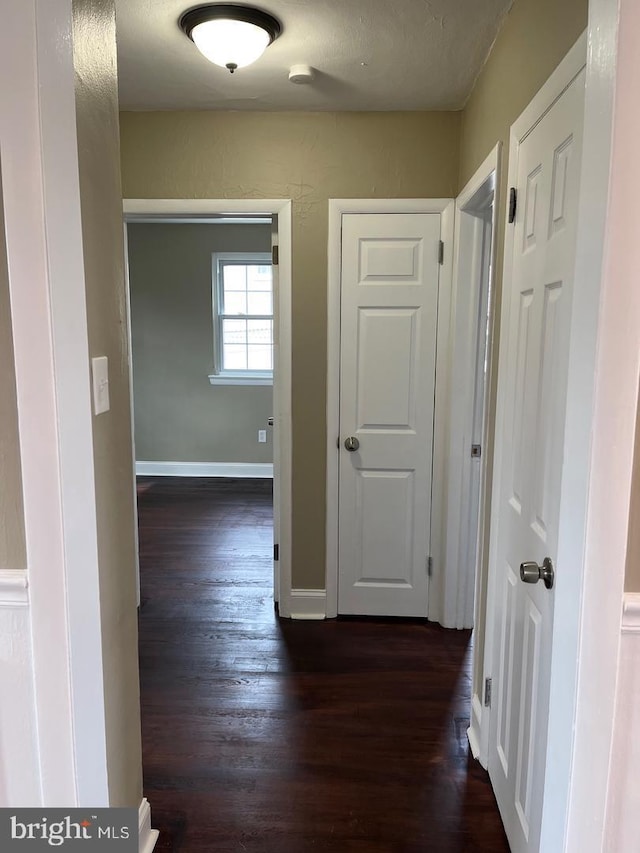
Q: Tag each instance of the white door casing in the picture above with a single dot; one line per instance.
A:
(390, 275)
(536, 316)
(276, 403)
(471, 334)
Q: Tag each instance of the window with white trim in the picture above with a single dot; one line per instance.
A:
(242, 318)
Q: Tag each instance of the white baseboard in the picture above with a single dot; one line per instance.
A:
(205, 469)
(474, 730)
(147, 836)
(20, 769)
(14, 588)
(308, 604)
(623, 799)
(474, 743)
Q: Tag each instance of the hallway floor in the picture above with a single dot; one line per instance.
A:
(274, 736)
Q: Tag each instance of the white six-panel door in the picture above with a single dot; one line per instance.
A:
(533, 364)
(389, 305)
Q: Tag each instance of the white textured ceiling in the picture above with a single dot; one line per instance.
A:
(368, 55)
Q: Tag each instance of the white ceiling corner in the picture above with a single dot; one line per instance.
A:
(368, 55)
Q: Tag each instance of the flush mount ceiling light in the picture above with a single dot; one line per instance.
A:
(230, 35)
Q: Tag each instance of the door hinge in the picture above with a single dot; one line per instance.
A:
(441, 252)
(487, 692)
(275, 256)
(513, 204)
(429, 566)
(476, 451)
(276, 553)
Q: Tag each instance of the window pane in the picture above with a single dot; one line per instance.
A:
(246, 292)
(234, 357)
(234, 277)
(235, 303)
(259, 331)
(260, 357)
(259, 303)
(259, 278)
(234, 331)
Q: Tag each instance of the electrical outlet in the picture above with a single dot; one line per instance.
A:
(262, 436)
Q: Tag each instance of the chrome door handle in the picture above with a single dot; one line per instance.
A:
(531, 572)
(351, 443)
(270, 421)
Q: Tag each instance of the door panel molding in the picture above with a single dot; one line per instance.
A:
(338, 207)
(552, 830)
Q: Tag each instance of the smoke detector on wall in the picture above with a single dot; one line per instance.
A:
(301, 74)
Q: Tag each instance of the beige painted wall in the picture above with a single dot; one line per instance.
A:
(12, 541)
(97, 120)
(534, 38)
(632, 580)
(308, 157)
(179, 415)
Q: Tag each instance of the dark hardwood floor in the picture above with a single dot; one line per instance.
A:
(273, 736)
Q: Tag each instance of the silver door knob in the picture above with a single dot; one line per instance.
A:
(531, 572)
(351, 443)
(270, 421)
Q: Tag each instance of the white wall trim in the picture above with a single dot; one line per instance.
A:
(229, 379)
(622, 828)
(459, 575)
(475, 729)
(631, 613)
(308, 603)
(14, 588)
(19, 765)
(441, 415)
(197, 209)
(282, 209)
(220, 219)
(147, 837)
(461, 426)
(205, 469)
(136, 526)
(46, 278)
(338, 207)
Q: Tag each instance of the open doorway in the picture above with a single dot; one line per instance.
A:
(209, 320)
(201, 320)
(470, 377)
(464, 594)
(201, 296)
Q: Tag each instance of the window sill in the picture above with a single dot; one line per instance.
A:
(230, 379)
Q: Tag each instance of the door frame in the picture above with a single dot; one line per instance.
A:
(134, 209)
(459, 609)
(338, 207)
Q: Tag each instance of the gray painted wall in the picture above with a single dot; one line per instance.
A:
(179, 415)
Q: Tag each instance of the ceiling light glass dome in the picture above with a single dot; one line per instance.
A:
(231, 36)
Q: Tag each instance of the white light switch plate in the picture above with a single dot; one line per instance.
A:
(262, 436)
(100, 371)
